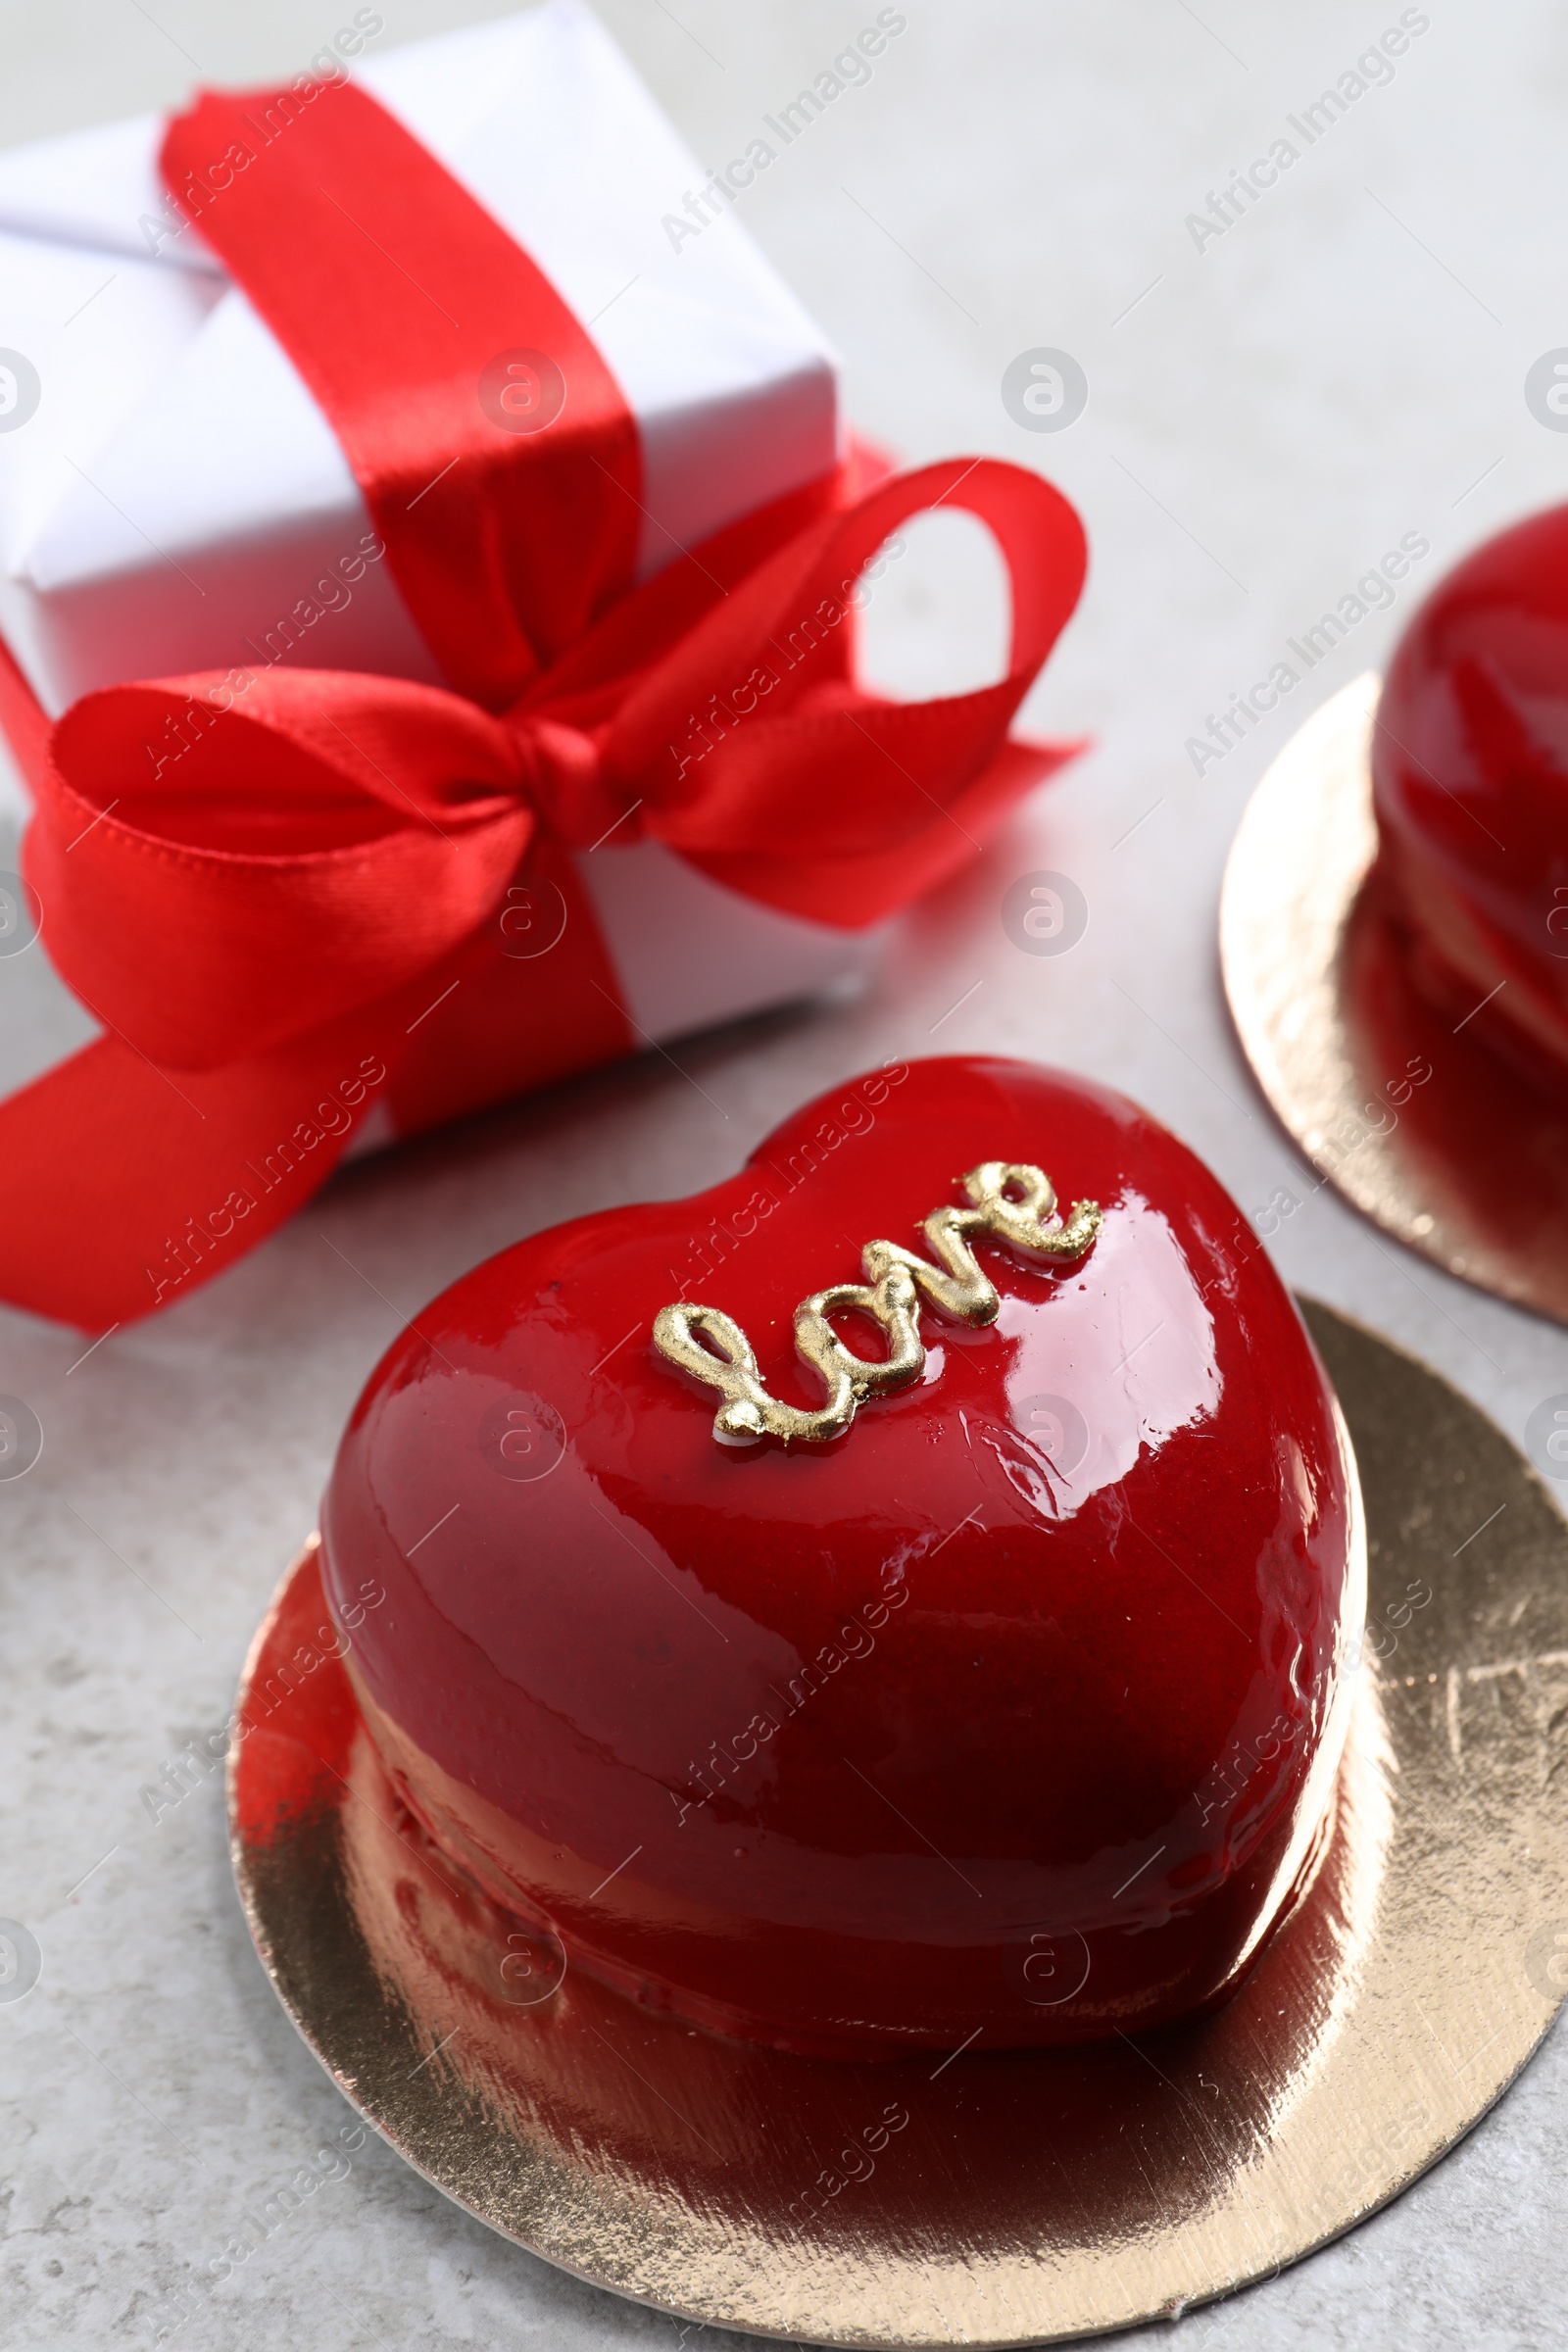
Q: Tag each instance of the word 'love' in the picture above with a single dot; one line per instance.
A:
(713, 1348)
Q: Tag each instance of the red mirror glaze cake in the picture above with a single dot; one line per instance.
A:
(895, 1598)
(1470, 771)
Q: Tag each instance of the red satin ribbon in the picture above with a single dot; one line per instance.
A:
(301, 913)
(393, 291)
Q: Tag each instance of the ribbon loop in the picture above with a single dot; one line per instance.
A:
(760, 697)
(313, 843)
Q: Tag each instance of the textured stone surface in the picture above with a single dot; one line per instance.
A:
(1343, 366)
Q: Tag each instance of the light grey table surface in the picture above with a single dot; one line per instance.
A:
(1269, 410)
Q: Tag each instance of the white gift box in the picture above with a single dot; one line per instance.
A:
(175, 490)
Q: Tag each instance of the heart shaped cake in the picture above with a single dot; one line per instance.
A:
(877, 1603)
(1470, 777)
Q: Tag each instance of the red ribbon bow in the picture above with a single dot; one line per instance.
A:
(280, 891)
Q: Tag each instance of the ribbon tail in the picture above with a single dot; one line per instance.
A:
(532, 997)
(123, 1186)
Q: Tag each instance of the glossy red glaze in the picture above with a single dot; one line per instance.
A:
(1014, 1711)
(1470, 771)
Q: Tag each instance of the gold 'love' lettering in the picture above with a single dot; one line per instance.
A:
(713, 1348)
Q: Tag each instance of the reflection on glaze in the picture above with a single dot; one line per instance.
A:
(1470, 767)
(816, 1745)
(1137, 1374)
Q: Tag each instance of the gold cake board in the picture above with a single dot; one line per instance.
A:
(1028, 2197)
